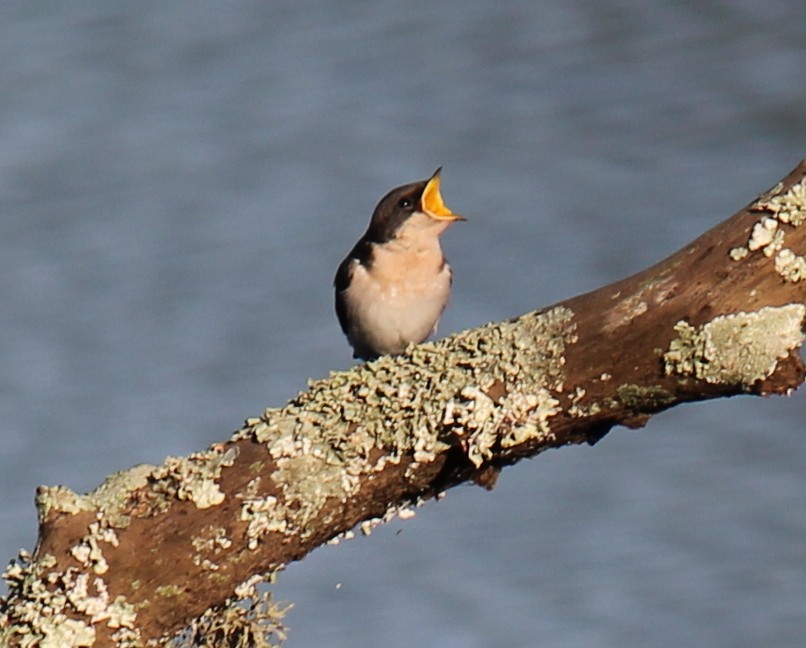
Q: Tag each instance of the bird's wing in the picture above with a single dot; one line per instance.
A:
(341, 282)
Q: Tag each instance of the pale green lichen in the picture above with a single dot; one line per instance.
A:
(322, 444)
(53, 608)
(59, 631)
(195, 477)
(738, 349)
(111, 498)
(767, 234)
(478, 421)
(210, 544)
(42, 607)
(791, 266)
(261, 512)
(739, 253)
(97, 606)
(308, 482)
(532, 413)
(204, 493)
(250, 619)
(403, 512)
(262, 515)
(168, 591)
(577, 395)
(643, 399)
(652, 291)
(764, 235)
(789, 207)
(417, 405)
(575, 407)
(88, 551)
(474, 419)
(586, 411)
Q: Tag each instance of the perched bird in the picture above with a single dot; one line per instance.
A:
(393, 286)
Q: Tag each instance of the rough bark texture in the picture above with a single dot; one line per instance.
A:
(153, 548)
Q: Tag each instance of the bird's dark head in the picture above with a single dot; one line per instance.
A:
(418, 199)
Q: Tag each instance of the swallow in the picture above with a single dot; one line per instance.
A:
(394, 284)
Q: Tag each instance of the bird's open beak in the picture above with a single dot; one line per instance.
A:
(432, 203)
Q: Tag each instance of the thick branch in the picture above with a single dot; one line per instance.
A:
(154, 547)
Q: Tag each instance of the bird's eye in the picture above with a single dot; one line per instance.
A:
(404, 203)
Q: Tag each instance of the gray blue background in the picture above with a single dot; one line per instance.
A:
(179, 180)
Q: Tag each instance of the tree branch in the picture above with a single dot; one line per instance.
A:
(154, 547)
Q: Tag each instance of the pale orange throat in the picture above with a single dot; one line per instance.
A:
(410, 267)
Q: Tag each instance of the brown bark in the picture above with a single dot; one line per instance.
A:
(722, 316)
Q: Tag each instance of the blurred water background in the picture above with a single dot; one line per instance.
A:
(178, 182)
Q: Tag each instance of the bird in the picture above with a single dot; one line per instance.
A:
(393, 286)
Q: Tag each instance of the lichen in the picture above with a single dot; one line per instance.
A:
(587, 410)
(209, 544)
(308, 481)
(58, 608)
(168, 591)
(650, 292)
(478, 421)
(400, 511)
(767, 234)
(501, 383)
(738, 349)
(262, 515)
(789, 207)
(46, 607)
(117, 613)
(643, 399)
(791, 266)
(195, 477)
(497, 386)
(739, 253)
(110, 499)
(249, 619)
(88, 551)
(764, 234)
(60, 631)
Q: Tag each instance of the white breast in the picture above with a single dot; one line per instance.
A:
(399, 299)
